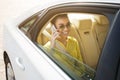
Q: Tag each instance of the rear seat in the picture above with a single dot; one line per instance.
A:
(90, 48)
(100, 27)
(44, 37)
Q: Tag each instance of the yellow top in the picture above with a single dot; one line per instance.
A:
(72, 47)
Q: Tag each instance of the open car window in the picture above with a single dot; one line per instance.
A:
(90, 31)
(73, 67)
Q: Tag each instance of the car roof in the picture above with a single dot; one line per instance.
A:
(103, 1)
(54, 2)
(49, 3)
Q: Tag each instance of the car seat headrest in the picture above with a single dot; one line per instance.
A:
(101, 19)
(85, 24)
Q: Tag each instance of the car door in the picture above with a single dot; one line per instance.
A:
(108, 67)
(108, 10)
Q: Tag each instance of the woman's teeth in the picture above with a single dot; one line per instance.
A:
(65, 32)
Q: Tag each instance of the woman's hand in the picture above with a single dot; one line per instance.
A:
(55, 35)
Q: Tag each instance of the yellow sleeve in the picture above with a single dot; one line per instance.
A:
(73, 48)
(78, 52)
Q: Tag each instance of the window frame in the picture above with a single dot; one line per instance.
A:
(34, 16)
(67, 8)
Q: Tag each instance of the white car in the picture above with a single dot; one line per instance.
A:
(94, 24)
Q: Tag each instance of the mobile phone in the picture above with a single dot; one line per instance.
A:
(53, 28)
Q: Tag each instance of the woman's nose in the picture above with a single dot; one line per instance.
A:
(66, 28)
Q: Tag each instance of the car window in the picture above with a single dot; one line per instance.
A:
(25, 27)
(27, 24)
(89, 31)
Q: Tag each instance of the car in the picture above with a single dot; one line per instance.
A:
(94, 24)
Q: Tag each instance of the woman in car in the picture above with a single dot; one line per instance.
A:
(61, 40)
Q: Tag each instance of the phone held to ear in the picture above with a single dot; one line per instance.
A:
(53, 28)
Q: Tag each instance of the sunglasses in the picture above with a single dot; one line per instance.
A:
(62, 26)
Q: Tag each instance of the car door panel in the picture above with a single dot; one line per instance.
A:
(109, 61)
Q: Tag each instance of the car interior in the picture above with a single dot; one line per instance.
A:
(89, 29)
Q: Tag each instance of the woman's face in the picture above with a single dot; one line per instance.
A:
(63, 26)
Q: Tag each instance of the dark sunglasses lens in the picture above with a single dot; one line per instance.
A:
(62, 26)
(68, 25)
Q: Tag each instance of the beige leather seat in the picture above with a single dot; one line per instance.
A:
(44, 36)
(90, 48)
(100, 27)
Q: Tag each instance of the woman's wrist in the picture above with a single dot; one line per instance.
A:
(52, 43)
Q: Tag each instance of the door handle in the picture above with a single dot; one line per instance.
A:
(19, 63)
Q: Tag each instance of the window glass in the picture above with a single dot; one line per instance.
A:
(25, 27)
(27, 24)
(84, 34)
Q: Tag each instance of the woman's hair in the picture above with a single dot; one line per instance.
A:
(58, 16)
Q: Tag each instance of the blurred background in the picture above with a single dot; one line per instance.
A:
(9, 9)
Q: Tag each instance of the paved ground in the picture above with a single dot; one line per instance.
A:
(12, 8)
